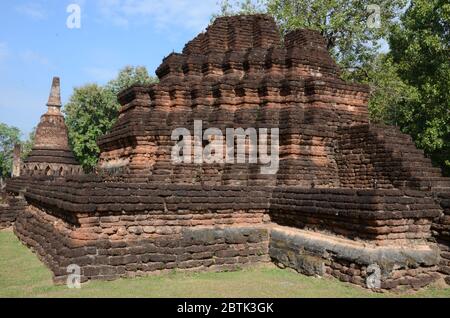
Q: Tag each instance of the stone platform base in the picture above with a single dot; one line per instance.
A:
(9, 211)
(193, 249)
(375, 267)
(223, 248)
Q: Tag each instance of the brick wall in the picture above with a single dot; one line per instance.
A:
(384, 217)
(441, 231)
(113, 247)
(371, 156)
(355, 262)
(10, 209)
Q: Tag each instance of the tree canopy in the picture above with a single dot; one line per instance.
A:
(387, 90)
(129, 76)
(90, 113)
(420, 48)
(92, 110)
(9, 136)
(352, 28)
(28, 144)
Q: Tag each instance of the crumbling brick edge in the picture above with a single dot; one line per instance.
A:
(354, 262)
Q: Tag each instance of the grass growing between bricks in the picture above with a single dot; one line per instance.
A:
(23, 275)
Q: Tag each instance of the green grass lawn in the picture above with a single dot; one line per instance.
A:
(23, 275)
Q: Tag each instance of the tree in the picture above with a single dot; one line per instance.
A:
(420, 47)
(350, 27)
(92, 110)
(90, 113)
(387, 90)
(27, 145)
(129, 76)
(228, 8)
(9, 136)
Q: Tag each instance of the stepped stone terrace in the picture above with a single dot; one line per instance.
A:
(351, 199)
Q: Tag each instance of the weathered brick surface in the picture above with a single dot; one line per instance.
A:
(441, 231)
(381, 156)
(239, 75)
(91, 210)
(350, 261)
(381, 216)
(114, 246)
(9, 210)
(384, 216)
(51, 154)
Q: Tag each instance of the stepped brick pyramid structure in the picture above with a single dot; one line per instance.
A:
(350, 199)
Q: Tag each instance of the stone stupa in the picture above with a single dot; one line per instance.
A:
(51, 154)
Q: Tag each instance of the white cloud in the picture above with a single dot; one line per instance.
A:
(33, 57)
(100, 74)
(188, 14)
(32, 10)
(4, 51)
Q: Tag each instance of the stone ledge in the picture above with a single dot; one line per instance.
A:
(320, 254)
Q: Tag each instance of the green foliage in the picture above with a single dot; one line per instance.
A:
(388, 91)
(92, 111)
(27, 145)
(420, 49)
(129, 76)
(343, 23)
(230, 8)
(9, 136)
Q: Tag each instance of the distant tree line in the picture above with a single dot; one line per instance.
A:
(93, 109)
(9, 137)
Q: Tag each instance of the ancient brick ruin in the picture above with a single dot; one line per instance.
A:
(51, 154)
(349, 197)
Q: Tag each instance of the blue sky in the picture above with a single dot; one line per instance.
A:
(35, 45)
